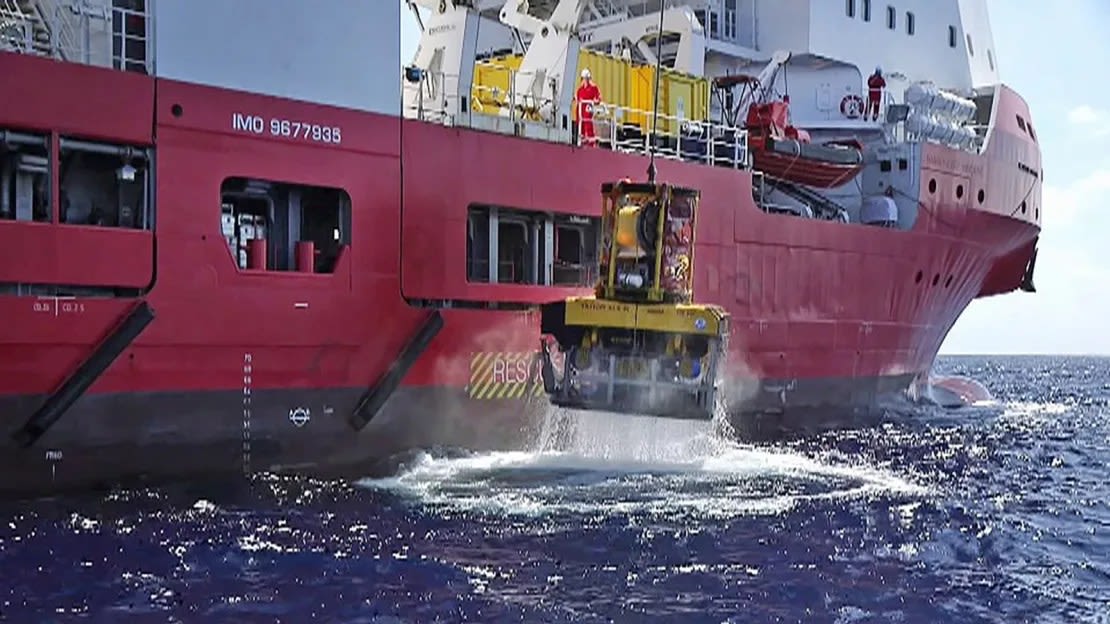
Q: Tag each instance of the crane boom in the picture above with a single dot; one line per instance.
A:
(690, 55)
(544, 83)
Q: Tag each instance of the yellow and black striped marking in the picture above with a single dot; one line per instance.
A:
(504, 375)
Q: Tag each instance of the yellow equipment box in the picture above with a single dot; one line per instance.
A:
(623, 84)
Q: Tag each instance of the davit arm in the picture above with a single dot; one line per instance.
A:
(551, 57)
(690, 56)
(765, 80)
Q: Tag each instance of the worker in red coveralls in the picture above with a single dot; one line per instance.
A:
(875, 86)
(588, 96)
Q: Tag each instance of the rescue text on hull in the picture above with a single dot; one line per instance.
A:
(639, 345)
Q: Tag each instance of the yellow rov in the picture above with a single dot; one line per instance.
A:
(639, 345)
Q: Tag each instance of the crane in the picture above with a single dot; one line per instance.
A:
(438, 79)
(757, 86)
(690, 55)
(544, 83)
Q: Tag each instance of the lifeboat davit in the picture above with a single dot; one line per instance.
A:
(783, 151)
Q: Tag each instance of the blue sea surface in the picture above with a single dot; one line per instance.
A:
(998, 512)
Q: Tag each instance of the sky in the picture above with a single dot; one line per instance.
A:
(1049, 52)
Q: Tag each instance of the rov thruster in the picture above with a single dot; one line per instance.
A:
(640, 344)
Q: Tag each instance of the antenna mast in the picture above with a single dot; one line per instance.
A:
(655, 98)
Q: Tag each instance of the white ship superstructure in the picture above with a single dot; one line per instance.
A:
(835, 44)
(935, 57)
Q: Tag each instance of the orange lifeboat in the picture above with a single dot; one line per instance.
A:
(783, 151)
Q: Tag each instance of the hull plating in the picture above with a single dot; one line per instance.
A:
(137, 437)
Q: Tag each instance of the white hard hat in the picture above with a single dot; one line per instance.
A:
(585, 73)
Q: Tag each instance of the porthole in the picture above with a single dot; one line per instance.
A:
(1023, 208)
(176, 110)
(982, 196)
(920, 276)
(959, 191)
(936, 279)
(948, 282)
(932, 185)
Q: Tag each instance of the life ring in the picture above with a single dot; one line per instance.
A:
(851, 106)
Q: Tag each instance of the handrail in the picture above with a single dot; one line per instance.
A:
(897, 131)
(677, 138)
(507, 101)
(64, 40)
(624, 128)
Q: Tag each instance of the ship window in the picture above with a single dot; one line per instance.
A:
(129, 35)
(990, 59)
(304, 228)
(509, 246)
(909, 23)
(730, 20)
(514, 246)
(866, 10)
(970, 49)
(1021, 123)
(24, 177)
(951, 36)
(575, 251)
(884, 166)
(104, 185)
(891, 18)
(850, 8)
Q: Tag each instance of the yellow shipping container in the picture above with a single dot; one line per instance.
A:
(622, 84)
(490, 90)
(611, 75)
(682, 96)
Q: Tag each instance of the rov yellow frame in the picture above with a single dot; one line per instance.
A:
(674, 318)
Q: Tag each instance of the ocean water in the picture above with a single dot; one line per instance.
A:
(994, 513)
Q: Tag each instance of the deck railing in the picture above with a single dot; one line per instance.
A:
(675, 137)
(435, 97)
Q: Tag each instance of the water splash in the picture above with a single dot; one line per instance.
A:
(598, 464)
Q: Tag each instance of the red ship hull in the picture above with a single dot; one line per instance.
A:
(826, 315)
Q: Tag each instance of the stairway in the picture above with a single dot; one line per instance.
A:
(822, 207)
(24, 28)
